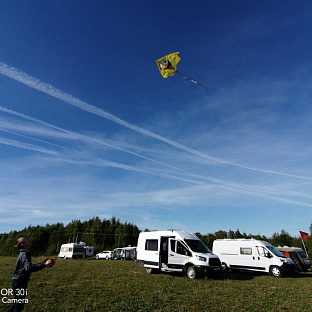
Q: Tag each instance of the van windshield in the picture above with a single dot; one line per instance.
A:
(197, 245)
(275, 251)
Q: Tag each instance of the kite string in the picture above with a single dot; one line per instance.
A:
(192, 80)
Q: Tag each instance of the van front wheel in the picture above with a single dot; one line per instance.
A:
(191, 272)
(276, 271)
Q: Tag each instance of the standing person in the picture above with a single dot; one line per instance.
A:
(21, 276)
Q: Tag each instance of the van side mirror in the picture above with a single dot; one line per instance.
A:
(268, 255)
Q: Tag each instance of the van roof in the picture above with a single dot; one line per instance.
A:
(243, 240)
(287, 249)
(168, 233)
(71, 245)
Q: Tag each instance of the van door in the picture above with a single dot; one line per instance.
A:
(151, 254)
(178, 255)
(264, 259)
(247, 258)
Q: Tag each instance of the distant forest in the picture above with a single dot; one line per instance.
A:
(109, 234)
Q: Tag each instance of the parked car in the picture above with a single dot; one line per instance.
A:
(107, 255)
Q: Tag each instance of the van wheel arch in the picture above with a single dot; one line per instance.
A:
(151, 270)
(225, 267)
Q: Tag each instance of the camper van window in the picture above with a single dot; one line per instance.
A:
(173, 245)
(276, 252)
(245, 251)
(262, 252)
(197, 245)
(70, 249)
(151, 244)
(181, 249)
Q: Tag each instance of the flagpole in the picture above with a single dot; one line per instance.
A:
(304, 246)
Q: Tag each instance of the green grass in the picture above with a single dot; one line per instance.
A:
(99, 285)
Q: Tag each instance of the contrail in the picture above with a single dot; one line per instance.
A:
(27, 146)
(96, 161)
(36, 84)
(14, 113)
(236, 187)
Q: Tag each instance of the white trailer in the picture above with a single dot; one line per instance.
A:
(253, 255)
(176, 251)
(74, 250)
(71, 250)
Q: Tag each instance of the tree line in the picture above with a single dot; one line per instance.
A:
(105, 234)
(47, 240)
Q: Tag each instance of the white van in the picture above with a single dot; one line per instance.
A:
(176, 251)
(253, 255)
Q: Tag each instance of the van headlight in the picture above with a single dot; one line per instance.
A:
(200, 258)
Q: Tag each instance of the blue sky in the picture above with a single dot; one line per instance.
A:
(88, 127)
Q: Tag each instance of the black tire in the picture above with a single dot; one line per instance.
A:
(191, 272)
(97, 257)
(276, 271)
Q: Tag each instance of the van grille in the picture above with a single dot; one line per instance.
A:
(214, 262)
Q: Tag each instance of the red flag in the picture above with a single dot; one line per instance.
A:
(304, 235)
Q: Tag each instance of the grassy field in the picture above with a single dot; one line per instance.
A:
(99, 285)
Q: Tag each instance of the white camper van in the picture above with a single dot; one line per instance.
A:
(253, 255)
(176, 251)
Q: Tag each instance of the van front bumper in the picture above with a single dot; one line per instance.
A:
(289, 269)
(208, 271)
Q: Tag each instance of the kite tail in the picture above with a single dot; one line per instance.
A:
(192, 80)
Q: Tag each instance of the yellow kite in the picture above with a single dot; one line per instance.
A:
(168, 65)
